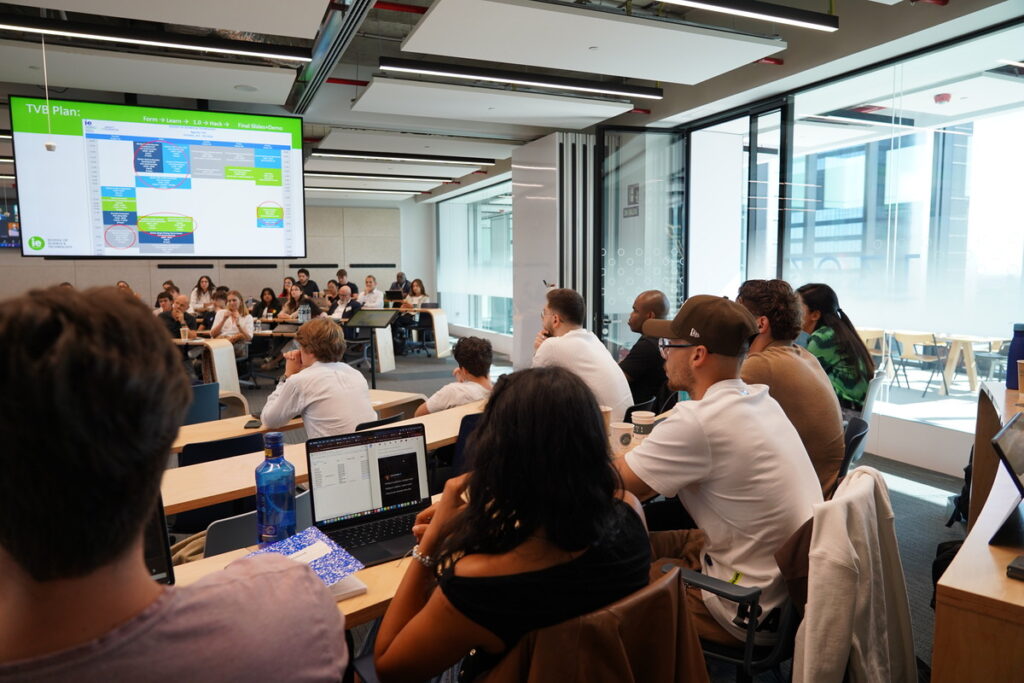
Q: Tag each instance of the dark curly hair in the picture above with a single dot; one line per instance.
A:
(775, 300)
(474, 355)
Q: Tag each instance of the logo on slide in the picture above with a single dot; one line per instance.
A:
(36, 243)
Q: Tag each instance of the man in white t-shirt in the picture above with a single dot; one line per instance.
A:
(562, 341)
(331, 396)
(730, 454)
(472, 380)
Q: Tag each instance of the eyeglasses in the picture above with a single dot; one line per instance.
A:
(665, 344)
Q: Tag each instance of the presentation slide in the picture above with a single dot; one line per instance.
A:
(107, 180)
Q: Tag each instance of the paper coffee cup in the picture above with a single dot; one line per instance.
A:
(621, 437)
(643, 423)
(183, 332)
(606, 414)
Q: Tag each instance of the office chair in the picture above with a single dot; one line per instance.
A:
(379, 423)
(232, 533)
(193, 521)
(855, 438)
(205, 405)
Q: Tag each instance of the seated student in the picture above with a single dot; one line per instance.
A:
(343, 280)
(732, 457)
(296, 298)
(308, 287)
(372, 297)
(837, 346)
(290, 310)
(472, 383)
(76, 600)
(400, 283)
(201, 298)
(220, 302)
(331, 396)
(178, 317)
(125, 287)
(343, 308)
(562, 341)
(331, 293)
(164, 301)
(793, 376)
(286, 288)
(234, 323)
(267, 306)
(547, 534)
(416, 297)
(644, 367)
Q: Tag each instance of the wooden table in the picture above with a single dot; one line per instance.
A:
(386, 403)
(196, 486)
(963, 345)
(979, 612)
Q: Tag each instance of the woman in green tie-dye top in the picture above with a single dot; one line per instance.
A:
(836, 344)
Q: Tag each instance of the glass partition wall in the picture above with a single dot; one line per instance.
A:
(894, 185)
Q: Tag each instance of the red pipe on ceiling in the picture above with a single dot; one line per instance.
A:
(347, 81)
(400, 7)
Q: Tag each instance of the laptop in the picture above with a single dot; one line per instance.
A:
(157, 546)
(366, 489)
(1009, 445)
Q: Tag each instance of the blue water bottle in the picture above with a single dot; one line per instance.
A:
(1015, 354)
(275, 492)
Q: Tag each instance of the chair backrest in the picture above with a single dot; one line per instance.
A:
(874, 388)
(232, 533)
(466, 428)
(645, 405)
(222, 353)
(854, 437)
(380, 423)
(910, 341)
(645, 636)
(205, 451)
(872, 337)
(205, 406)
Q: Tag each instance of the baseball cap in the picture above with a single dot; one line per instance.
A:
(714, 322)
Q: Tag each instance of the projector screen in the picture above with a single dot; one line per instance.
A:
(107, 180)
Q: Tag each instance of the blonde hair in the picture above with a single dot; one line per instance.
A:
(323, 338)
(242, 309)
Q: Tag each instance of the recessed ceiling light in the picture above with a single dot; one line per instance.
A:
(359, 191)
(1012, 63)
(6, 160)
(766, 11)
(412, 158)
(6, 177)
(375, 176)
(516, 78)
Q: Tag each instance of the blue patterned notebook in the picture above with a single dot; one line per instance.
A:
(327, 559)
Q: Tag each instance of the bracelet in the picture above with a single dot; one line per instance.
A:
(426, 560)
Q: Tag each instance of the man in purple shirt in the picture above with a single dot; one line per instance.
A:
(95, 395)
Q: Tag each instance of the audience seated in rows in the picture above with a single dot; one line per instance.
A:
(563, 342)
(372, 297)
(164, 301)
(837, 346)
(472, 377)
(308, 287)
(267, 306)
(343, 280)
(234, 323)
(400, 283)
(286, 287)
(731, 456)
(331, 396)
(77, 602)
(201, 298)
(793, 376)
(538, 532)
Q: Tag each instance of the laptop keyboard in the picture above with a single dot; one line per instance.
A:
(372, 532)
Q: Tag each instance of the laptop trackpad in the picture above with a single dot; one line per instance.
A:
(384, 551)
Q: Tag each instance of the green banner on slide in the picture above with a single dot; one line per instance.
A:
(158, 224)
(269, 212)
(29, 115)
(119, 204)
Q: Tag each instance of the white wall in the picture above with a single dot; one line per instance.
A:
(419, 244)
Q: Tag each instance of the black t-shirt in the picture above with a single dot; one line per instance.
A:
(260, 308)
(173, 326)
(353, 287)
(309, 288)
(510, 606)
(645, 369)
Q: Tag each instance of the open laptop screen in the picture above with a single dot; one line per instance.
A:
(1009, 444)
(376, 472)
(157, 546)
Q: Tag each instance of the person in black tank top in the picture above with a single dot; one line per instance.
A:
(547, 534)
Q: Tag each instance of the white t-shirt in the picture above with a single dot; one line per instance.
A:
(374, 299)
(333, 398)
(738, 466)
(583, 353)
(245, 324)
(456, 394)
(199, 300)
(417, 301)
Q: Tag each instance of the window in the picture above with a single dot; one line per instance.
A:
(474, 262)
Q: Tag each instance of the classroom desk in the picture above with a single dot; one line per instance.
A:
(386, 403)
(979, 612)
(963, 345)
(196, 486)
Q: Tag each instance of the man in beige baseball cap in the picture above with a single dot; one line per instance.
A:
(732, 457)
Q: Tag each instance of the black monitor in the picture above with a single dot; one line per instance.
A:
(1009, 446)
(372, 317)
(394, 295)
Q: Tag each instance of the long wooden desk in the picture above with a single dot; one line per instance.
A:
(963, 345)
(386, 403)
(196, 486)
(979, 612)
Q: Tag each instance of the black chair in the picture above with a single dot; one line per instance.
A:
(380, 423)
(246, 373)
(749, 659)
(466, 428)
(194, 521)
(205, 406)
(855, 438)
(645, 405)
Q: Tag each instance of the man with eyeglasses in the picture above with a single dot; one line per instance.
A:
(730, 455)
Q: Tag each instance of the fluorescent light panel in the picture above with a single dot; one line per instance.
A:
(412, 158)
(515, 78)
(375, 176)
(151, 43)
(6, 177)
(1012, 63)
(765, 11)
(361, 191)
(6, 160)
